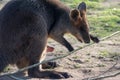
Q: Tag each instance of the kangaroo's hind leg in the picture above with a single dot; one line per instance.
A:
(35, 50)
(24, 61)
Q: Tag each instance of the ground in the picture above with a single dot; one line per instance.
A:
(98, 59)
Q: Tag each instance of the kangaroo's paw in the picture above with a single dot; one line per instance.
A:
(94, 39)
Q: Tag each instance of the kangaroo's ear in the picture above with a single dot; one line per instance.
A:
(82, 8)
(75, 15)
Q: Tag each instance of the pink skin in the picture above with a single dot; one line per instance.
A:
(50, 49)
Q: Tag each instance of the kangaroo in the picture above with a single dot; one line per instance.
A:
(25, 26)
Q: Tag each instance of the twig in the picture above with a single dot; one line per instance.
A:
(108, 69)
(101, 75)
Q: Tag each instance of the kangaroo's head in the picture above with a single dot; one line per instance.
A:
(80, 24)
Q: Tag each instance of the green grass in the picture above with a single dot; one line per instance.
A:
(102, 20)
(104, 25)
(107, 54)
(105, 22)
(104, 54)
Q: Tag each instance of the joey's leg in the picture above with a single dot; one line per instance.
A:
(50, 49)
(49, 65)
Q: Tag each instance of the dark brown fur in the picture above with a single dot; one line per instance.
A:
(25, 26)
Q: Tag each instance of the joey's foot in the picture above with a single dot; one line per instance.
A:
(49, 65)
(50, 75)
